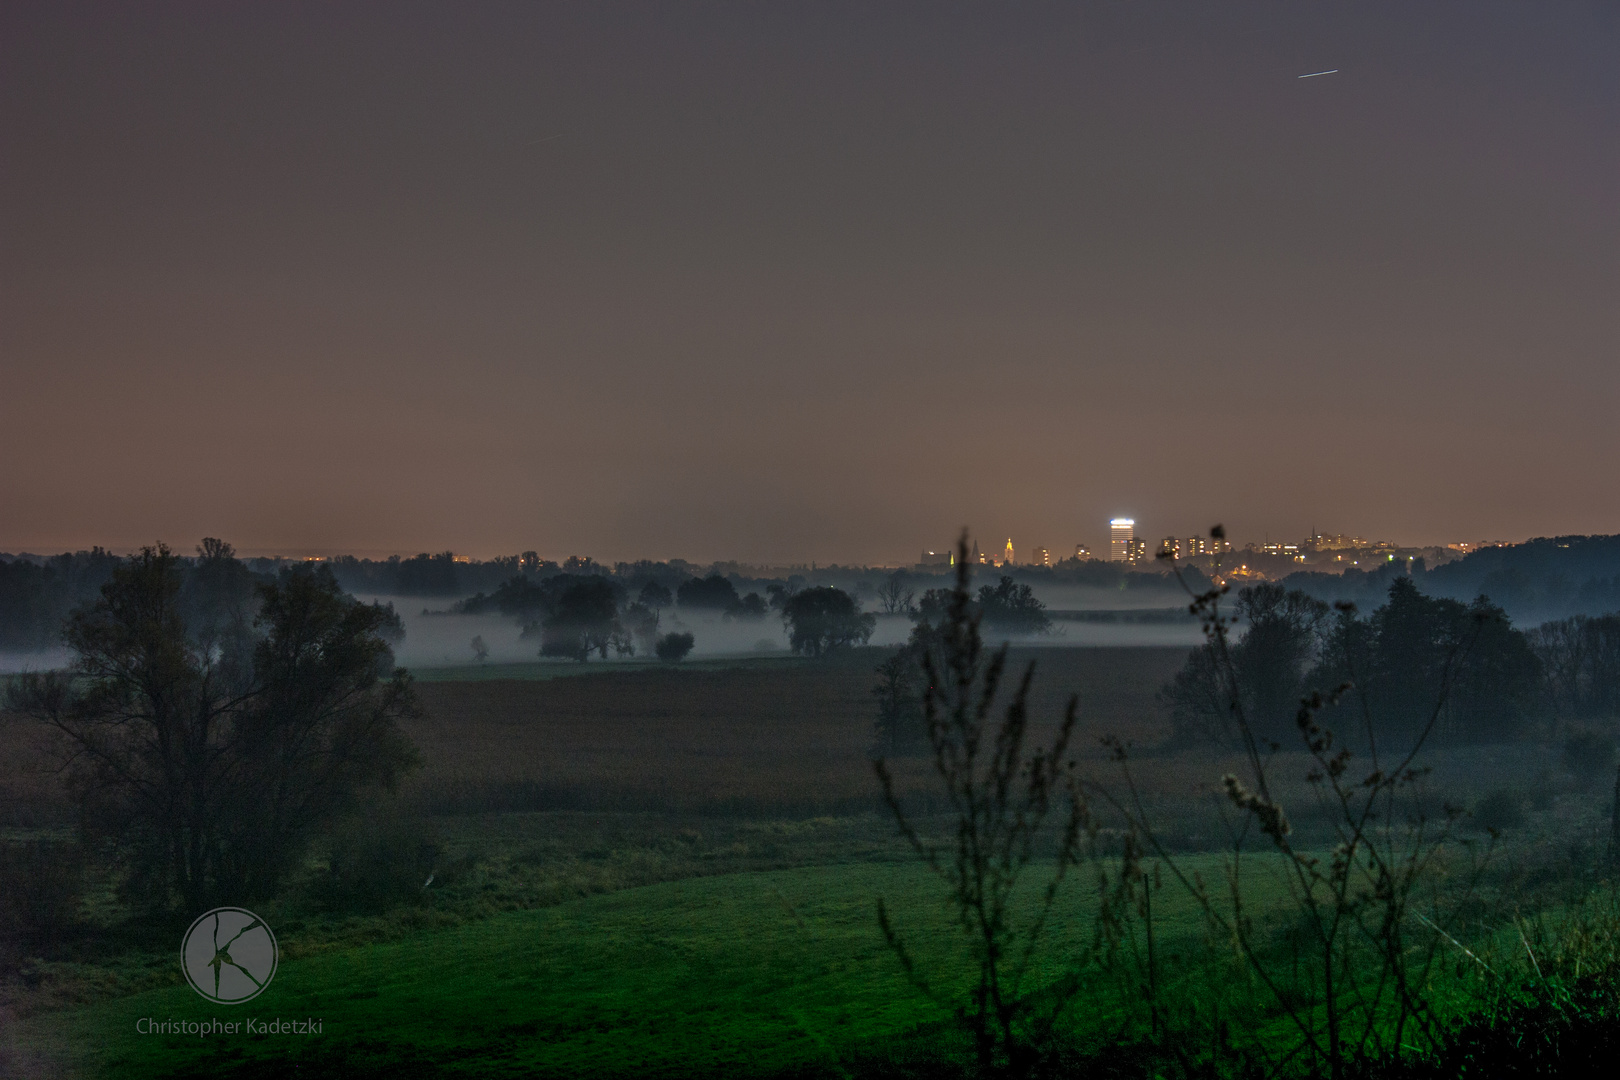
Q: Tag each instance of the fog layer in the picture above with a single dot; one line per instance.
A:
(436, 639)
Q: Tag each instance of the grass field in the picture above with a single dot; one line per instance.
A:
(752, 973)
(650, 870)
(759, 737)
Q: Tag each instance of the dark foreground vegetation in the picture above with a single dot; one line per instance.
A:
(1227, 863)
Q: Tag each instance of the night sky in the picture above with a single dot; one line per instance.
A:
(790, 282)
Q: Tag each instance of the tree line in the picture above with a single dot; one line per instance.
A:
(1500, 683)
(576, 616)
(37, 597)
(1540, 579)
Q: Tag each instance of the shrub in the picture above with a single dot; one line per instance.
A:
(1499, 809)
(41, 887)
(379, 860)
(1546, 1028)
(674, 646)
(1589, 756)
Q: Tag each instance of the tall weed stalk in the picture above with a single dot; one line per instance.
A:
(1371, 911)
(998, 802)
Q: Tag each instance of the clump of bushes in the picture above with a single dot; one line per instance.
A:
(1542, 1028)
(1499, 809)
(41, 889)
(674, 646)
(1589, 756)
(379, 860)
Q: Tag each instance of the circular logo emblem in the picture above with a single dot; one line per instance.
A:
(229, 955)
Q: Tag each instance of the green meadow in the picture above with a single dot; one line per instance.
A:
(758, 973)
(675, 872)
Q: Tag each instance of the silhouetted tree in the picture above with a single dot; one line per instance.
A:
(655, 596)
(894, 596)
(899, 694)
(713, 593)
(209, 762)
(1012, 608)
(426, 575)
(1580, 663)
(1283, 638)
(1200, 701)
(521, 597)
(674, 646)
(824, 619)
(480, 650)
(932, 607)
(322, 728)
(641, 622)
(1401, 657)
(751, 606)
(218, 597)
(584, 619)
(35, 599)
(390, 627)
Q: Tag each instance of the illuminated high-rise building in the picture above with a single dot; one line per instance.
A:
(1121, 531)
(1081, 551)
(1007, 556)
(1040, 557)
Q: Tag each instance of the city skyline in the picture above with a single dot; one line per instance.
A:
(1142, 549)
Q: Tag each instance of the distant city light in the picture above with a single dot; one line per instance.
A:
(1122, 542)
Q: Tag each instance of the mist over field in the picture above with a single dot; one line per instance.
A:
(441, 639)
(435, 637)
(445, 640)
